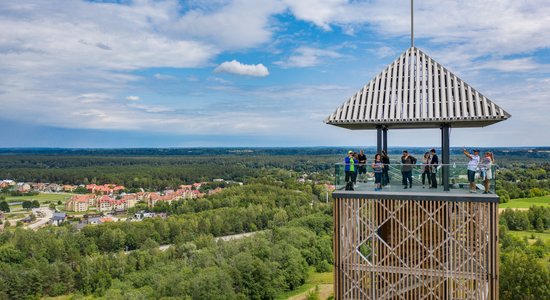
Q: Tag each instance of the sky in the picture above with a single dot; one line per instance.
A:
(142, 73)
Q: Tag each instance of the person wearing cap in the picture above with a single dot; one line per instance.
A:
(349, 167)
(472, 168)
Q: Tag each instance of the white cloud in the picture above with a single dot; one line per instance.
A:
(132, 98)
(385, 51)
(150, 108)
(82, 47)
(92, 98)
(308, 57)
(481, 28)
(525, 64)
(233, 24)
(236, 67)
(164, 77)
(327, 12)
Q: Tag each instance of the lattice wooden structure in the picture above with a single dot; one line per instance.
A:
(415, 246)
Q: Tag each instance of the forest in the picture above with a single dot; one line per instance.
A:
(122, 260)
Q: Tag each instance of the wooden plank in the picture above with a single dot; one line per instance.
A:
(430, 94)
(457, 99)
(406, 96)
(412, 77)
(361, 116)
(450, 98)
(477, 102)
(443, 93)
(437, 97)
(464, 100)
(374, 102)
(394, 83)
(399, 100)
(351, 106)
(418, 79)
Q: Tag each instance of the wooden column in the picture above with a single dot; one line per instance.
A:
(385, 139)
(379, 139)
(445, 154)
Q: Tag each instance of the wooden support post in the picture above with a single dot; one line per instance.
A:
(445, 154)
(379, 139)
(385, 139)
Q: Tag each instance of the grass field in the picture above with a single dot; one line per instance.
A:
(323, 280)
(527, 202)
(544, 236)
(42, 197)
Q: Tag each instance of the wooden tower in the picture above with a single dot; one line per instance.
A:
(415, 246)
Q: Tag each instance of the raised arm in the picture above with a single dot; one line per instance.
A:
(467, 154)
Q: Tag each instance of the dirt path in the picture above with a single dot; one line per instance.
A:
(325, 290)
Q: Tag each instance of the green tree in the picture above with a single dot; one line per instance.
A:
(80, 190)
(212, 283)
(35, 204)
(27, 204)
(523, 276)
(4, 206)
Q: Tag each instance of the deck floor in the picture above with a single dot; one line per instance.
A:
(396, 186)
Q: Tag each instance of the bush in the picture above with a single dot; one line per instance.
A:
(515, 219)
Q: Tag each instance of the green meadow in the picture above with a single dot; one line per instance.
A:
(42, 198)
(527, 202)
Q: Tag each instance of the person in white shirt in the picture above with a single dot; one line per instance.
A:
(472, 168)
(485, 167)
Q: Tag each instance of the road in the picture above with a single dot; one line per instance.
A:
(224, 238)
(47, 215)
(236, 236)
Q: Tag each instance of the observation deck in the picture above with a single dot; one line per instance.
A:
(415, 243)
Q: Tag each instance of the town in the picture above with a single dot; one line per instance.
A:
(92, 203)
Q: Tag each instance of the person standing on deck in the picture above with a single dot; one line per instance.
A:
(485, 167)
(378, 168)
(349, 168)
(433, 168)
(472, 168)
(362, 169)
(406, 169)
(426, 169)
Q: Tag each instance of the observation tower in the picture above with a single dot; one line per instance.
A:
(415, 244)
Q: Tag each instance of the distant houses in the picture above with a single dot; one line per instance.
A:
(106, 189)
(111, 203)
(112, 197)
(6, 183)
(58, 218)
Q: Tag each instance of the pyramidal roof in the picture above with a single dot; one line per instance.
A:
(415, 91)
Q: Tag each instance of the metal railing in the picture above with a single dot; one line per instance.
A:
(460, 177)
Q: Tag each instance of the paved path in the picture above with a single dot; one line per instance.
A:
(222, 238)
(236, 236)
(47, 215)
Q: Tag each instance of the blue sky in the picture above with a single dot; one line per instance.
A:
(254, 73)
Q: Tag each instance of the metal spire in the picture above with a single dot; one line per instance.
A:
(412, 23)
